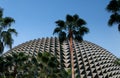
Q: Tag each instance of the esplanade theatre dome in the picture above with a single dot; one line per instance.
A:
(90, 60)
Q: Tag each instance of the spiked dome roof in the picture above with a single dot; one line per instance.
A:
(90, 60)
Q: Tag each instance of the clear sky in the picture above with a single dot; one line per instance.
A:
(36, 19)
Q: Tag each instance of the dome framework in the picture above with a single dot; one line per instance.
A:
(90, 60)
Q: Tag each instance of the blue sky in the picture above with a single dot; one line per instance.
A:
(36, 19)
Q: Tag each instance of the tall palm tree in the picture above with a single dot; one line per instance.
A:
(6, 31)
(72, 28)
(114, 8)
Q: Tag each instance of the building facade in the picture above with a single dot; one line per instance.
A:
(90, 60)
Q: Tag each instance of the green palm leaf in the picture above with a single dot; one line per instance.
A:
(80, 22)
(76, 17)
(83, 30)
(113, 6)
(114, 19)
(57, 30)
(62, 36)
(7, 38)
(60, 23)
(69, 18)
(12, 31)
(7, 21)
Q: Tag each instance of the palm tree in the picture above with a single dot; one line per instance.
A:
(6, 31)
(72, 28)
(114, 8)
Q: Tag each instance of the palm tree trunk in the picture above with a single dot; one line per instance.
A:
(71, 52)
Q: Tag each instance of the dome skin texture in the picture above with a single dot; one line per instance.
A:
(90, 60)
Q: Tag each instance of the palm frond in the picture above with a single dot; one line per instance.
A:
(7, 21)
(83, 30)
(62, 36)
(76, 17)
(60, 23)
(69, 18)
(78, 37)
(113, 6)
(80, 22)
(111, 22)
(12, 31)
(114, 19)
(57, 30)
(7, 39)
